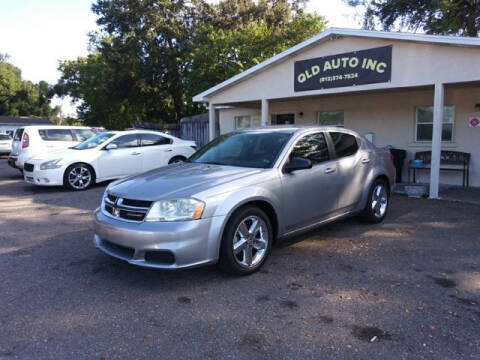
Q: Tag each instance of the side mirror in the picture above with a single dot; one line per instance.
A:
(298, 163)
(111, 146)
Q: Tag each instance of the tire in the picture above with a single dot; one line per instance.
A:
(84, 178)
(177, 159)
(377, 204)
(250, 256)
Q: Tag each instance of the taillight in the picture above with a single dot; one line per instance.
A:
(26, 141)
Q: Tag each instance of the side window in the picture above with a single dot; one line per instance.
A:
(18, 134)
(56, 134)
(313, 147)
(126, 141)
(83, 134)
(345, 144)
(154, 139)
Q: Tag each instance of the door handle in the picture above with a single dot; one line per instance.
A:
(365, 161)
(329, 170)
(136, 153)
(168, 150)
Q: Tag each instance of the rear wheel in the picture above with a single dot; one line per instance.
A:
(79, 177)
(377, 203)
(246, 242)
(177, 159)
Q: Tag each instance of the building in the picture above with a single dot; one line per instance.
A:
(8, 124)
(393, 87)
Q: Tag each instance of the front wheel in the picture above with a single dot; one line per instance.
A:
(78, 177)
(246, 242)
(377, 203)
(176, 160)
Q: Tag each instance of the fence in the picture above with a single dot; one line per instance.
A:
(193, 128)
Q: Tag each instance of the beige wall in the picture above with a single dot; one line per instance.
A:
(391, 116)
(413, 64)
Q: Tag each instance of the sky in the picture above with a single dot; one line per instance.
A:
(38, 33)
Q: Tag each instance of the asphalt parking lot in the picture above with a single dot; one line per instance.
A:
(405, 289)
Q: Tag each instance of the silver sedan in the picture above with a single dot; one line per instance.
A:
(242, 193)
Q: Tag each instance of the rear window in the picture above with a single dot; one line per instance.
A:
(56, 134)
(83, 134)
(18, 134)
(154, 139)
(4, 137)
(345, 144)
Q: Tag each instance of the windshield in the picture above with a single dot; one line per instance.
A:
(93, 142)
(4, 137)
(245, 149)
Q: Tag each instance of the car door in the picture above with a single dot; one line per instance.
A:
(353, 165)
(125, 159)
(156, 150)
(310, 195)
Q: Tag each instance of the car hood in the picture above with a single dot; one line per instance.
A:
(65, 154)
(178, 180)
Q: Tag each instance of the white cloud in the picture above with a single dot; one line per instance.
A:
(337, 13)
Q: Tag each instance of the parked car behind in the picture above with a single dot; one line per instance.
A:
(5, 144)
(108, 155)
(30, 141)
(240, 194)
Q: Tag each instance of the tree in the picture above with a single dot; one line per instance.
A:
(449, 17)
(23, 98)
(151, 56)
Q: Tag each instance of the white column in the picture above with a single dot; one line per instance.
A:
(264, 120)
(436, 139)
(211, 121)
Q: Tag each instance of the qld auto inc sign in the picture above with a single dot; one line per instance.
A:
(348, 69)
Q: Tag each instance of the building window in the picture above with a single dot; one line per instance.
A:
(246, 121)
(283, 119)
(424, 123)
(330, 118)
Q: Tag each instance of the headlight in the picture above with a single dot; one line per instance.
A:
(176, 210)
(52, 164)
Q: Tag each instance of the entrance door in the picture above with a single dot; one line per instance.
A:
(283, 119)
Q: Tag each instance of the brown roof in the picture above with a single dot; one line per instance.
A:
(24, 120)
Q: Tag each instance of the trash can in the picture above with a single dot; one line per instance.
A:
(398, 160)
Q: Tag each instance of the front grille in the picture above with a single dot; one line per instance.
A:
(28, 167)
(126, 209)
(119, 250)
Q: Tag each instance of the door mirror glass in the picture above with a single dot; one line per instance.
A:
(111, 146)
(298, 163)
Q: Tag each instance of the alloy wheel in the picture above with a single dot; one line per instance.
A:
(250, 242)
(79, 177)
(379, 201)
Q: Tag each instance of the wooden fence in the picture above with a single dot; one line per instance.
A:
(193, 128)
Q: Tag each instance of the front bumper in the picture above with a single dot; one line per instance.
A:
(5, 149)
(162, 245)
(51, 177)
(12, 161)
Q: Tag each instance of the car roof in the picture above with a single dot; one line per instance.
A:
(297, 129)
(34, 127)
(143, 131)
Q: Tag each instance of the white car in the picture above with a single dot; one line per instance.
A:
(109, 155)
(5, 144)
(30, 141)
